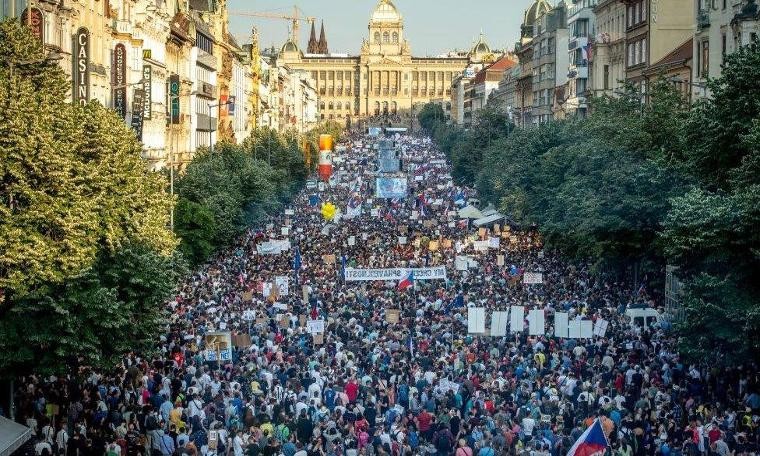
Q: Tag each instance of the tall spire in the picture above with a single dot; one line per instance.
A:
(313, 47)
(323, 41)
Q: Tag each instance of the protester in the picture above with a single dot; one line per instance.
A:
(395, 371)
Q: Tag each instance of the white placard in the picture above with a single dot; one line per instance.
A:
(285, 231)
(374, 213)
(315, 326)
(499, 322)
(461, 262)
(541, 254)
(600, 327)
(364, 236)
(351, 241)
(560, 324)
(494, 242)
(402, 240)
(290, 212)
(476, 320)
(282, 285)
(266, 290)
(273, 247)
(587, 329)
(516, 319)
(536, 322)
(358, 275)
(533, 277)
(480, 246)
(574, 329)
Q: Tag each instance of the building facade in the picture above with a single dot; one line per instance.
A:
(385, 79)
(723, 26)
(608, 55)
(550, 62)
(581, 25)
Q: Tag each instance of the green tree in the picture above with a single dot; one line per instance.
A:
(75, 199)
(430, 116)
(112, 308)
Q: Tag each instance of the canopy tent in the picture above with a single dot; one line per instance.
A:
(12, 436)
(470, 212)
(488, 219)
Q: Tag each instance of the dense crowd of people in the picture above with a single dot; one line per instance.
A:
(395, 371)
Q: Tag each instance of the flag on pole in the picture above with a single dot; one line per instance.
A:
(410, 345)
(593, 442)
(407, 281)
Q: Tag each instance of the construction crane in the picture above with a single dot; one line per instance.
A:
(296, 18)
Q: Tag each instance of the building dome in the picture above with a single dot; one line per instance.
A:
(481, 47)
(536, 10)
(386, 12)
(289, 46)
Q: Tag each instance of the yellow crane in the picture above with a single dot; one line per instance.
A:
(296, 18)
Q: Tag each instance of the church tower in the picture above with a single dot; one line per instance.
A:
(313, 46)
(322, 48)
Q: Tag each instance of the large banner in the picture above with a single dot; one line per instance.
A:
(359, 275)
(391, 187)
(390, 165)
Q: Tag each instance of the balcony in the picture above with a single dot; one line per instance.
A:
(703, 20)
(577, 42)
(577, 72)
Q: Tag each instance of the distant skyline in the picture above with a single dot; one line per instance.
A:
(431, 26)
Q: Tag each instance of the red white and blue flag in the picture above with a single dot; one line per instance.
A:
(407, 281)
(591, 443)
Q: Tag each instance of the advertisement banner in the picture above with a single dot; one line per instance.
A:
(120, 80)
(81, 66)
(359, 275)
(137, 113)
(391, 187)
(147, 97)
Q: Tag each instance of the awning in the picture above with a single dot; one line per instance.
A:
(470, 212)
(488, 220)
(12, 436)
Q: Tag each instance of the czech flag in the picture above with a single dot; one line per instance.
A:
(590, 443)
(407, 281)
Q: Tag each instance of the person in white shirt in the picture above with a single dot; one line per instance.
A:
(41, 446)
(528, 424)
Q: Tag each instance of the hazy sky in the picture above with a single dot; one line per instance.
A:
(431, 26)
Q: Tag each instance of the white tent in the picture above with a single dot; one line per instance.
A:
(470, 212)
(488, 219)
(12, 436)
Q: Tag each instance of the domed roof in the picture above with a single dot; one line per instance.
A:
(537, 9)
(386, 12)
(289, 46)
(481, 47)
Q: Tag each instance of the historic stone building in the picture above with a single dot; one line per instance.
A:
(384, 79)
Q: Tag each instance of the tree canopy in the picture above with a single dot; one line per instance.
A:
(636, 186)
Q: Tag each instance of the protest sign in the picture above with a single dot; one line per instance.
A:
(476, 320)
(493, 242)
(560, 325)
(499, 322)
(516, 319)
(536, 322)
(533, 278)
(600, 327)
(218, 346)
(433, 273)
(402, 240)
(315, 326)
(282, 283)
(392, 316)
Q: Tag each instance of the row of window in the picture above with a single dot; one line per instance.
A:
(636, 13)
(637, 52)
(386, 37)
(336, 106)
(204, 43)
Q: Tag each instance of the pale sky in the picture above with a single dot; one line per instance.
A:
(431, 26)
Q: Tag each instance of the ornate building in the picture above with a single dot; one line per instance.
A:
(384, 79)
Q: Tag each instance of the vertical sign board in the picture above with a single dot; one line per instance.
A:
(174, 98)
(82, 66)
(137, 113)
(34, 21)
(120, 80)
(147, 99)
